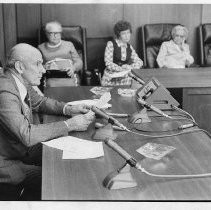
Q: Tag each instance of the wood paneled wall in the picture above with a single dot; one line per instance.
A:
(19, 22)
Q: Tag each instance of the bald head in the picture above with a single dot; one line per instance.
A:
(22, 52)
(27, 61)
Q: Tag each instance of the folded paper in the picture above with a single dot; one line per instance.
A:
(76, 148)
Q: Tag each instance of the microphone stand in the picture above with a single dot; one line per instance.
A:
(104, 132)
(122, 178)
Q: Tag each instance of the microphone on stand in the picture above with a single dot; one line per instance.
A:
(153, 108)
(136, 78)
(110, 119)
(129, 159)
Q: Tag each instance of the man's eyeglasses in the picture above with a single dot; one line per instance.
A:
(54, 33)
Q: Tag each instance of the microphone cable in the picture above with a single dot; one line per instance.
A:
(139, 167)
(184, 112)
(182, 127)
(203, 175)
(167, 135)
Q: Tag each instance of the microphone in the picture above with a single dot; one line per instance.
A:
(110, 119)
(129, 159)
(153, 108)
(136, 78)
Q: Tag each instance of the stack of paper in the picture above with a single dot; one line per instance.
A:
(58, 64)
(100, 90)
(100, 103)
(75, 148)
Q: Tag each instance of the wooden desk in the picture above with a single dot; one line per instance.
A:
(177, 78)
(196, 84)
(82, 179)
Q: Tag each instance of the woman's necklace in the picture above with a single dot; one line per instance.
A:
(54, 46)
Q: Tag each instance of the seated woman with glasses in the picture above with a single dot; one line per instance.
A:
(59, 54)
(175, 53)
(120, 57)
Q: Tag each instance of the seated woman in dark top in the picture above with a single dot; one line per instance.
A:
(120, 57)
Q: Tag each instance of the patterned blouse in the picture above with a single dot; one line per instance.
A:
(112, 67)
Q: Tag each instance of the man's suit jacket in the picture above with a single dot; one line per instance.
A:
(17, 133)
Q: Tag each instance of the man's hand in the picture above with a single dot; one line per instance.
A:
(80, 122)
(77, 109)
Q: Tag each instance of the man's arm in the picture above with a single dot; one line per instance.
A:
(17, 124)
(77, 61)
(44, 104)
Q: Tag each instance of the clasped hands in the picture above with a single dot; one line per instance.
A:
(70, 70)
(82, 117)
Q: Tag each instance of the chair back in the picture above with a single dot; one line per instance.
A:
(205, 44)
(95, 60)
(95, 57)
(151, 36)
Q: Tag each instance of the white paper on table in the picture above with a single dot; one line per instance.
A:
(91, 151)
(119, 74)
(100, 90)
(75, 148)
(100, 103)
(104, 99)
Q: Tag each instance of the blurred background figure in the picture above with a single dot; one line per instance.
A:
(59, 54)
(175, 53)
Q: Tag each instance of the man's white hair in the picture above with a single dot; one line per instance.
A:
(53, 23)
(177, 28)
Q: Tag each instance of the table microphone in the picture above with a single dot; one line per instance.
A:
(129, 159)
(107, 117)
(136, 78)
(153, 108)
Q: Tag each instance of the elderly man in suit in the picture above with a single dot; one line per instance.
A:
(20, 147)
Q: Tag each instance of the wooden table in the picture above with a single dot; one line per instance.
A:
(196, 85)
(177, 78)
(82, 179)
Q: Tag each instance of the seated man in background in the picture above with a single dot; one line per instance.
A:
(59, 54)
(120, 56)
(20, 148)
(175, 53)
